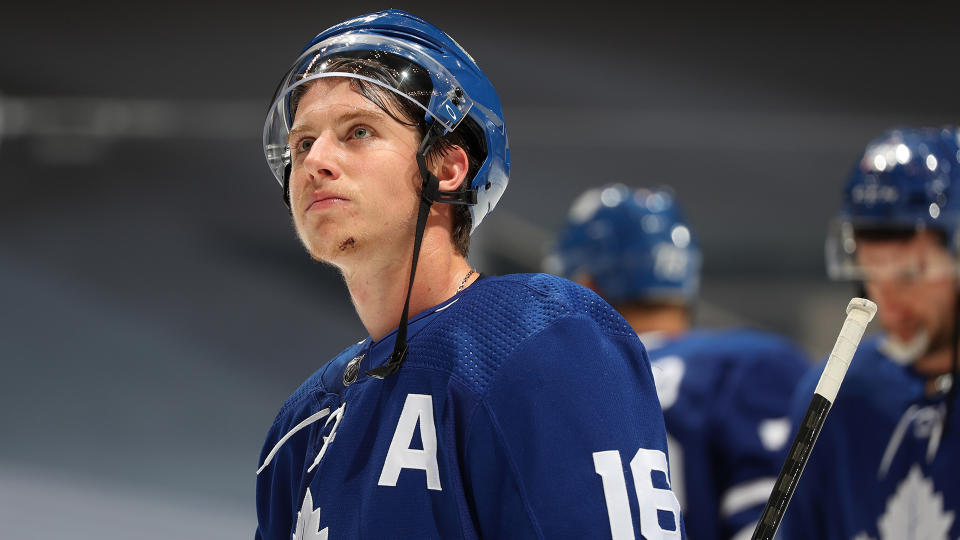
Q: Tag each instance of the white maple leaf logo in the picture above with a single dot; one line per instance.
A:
(914, 512)
(308, 521)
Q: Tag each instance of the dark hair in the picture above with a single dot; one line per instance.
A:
(894, 234)
(414, 81)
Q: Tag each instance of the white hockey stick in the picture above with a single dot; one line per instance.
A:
(860, 311)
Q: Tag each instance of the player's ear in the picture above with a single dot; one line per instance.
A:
(452, 168)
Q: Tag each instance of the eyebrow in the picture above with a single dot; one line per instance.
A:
(357, 114)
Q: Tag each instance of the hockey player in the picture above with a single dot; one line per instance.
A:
(724, 394)
(519, 406)
(885, 465)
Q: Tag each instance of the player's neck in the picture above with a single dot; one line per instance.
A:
(378, 289)
(934, 363)
(669, 320)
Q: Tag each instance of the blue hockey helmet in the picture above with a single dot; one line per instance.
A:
(632, 244)
(907, 179)
(459, 92)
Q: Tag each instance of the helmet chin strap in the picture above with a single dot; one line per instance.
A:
(286, 187)
(430, 193)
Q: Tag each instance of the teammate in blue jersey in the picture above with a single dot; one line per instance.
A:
(519, 406)
(725, 394)
(886, 464)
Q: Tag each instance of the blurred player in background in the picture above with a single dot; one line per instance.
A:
(887, 463)
(725, 394)
(519, 406)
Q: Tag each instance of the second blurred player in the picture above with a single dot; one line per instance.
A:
(885, 466)
(724, 394)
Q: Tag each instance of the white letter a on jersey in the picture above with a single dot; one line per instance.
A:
(417, 409)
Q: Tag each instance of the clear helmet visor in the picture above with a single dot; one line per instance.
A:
(399, 66)
(889, 253)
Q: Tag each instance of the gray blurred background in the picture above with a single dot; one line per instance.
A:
(156, 308)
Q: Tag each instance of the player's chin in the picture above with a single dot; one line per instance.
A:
(315, 222)
(317, 230)
(332, 249)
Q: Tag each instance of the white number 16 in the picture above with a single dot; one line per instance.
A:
(610, 468)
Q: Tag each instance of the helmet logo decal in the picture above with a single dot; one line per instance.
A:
(871, 194)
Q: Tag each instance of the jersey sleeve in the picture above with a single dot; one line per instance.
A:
(750, 432)
(568, 441)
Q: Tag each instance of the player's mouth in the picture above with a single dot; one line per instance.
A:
(324, 200)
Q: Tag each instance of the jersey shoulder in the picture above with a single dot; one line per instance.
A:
(748, 343)
(725, 349)
(872, 378)
(870, 367)
(870, 362)
(498, 315)
(748, 371)
(326, 380)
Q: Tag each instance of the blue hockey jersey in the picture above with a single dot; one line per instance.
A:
(525, 409)
(883, 467)
(725, 398)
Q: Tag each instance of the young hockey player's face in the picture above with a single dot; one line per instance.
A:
(353, 173)
(912, 282)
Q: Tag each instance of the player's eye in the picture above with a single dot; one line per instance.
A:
(910, 274)
(361, 132)
(303, 145)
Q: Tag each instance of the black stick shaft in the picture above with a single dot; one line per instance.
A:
(797, 458)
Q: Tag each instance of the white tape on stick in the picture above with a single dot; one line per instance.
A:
(860, 312)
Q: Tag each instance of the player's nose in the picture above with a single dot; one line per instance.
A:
(323, 160)
(893, 309)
